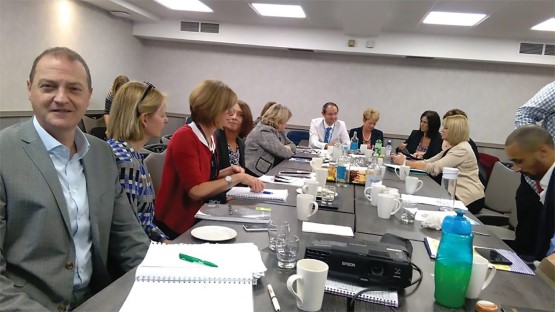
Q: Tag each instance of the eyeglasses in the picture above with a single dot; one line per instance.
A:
(149, 87)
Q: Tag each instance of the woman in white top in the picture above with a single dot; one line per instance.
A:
(469, 188)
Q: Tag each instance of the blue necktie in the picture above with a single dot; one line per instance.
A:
(328, 135)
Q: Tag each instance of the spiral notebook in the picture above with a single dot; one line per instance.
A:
(235, 213)
(164, 282)
(267, 195)
(384, 297)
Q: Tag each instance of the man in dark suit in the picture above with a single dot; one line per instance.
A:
(532, 151)
(63, 215)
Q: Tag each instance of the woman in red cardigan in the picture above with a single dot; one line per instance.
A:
(191, 174)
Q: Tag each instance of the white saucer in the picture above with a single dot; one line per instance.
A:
(214, 233)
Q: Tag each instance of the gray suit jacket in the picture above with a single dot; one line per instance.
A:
(265, 147)
(36, 246)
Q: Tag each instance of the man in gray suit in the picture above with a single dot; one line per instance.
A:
(63, 215)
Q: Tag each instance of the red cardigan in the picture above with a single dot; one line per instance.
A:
(187, 164)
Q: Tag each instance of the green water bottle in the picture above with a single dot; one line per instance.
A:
(453, 263)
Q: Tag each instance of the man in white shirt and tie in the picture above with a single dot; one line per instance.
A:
(327, 130)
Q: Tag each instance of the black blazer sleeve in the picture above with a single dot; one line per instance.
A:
(474, 149)
(434, 148)
(413, 141)
(221, 149)
(241, 145)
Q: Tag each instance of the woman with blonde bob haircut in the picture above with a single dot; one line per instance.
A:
(138, 114)
(367, 133)
(266, 145)
(191, 173)
(469, 188)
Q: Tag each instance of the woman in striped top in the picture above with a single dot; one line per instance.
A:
(138, 114)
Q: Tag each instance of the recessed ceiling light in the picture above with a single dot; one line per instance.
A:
(279, 10)
(548, 25)
(452, 18)
(185, 5)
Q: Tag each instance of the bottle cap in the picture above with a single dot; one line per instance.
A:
(486, 306)
(450, 173)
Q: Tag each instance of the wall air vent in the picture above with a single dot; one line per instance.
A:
(549, 49)
(210, 28)
(190, 26)
(300, 50)
(531, 48)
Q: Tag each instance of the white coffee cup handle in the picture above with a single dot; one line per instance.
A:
(292, 279)
(315, 209)
(367, 193)
(419, 185)
(397, 206)
(305, 189)
(398, 171)
(489, 278)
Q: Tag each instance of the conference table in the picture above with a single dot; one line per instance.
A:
(507, 288)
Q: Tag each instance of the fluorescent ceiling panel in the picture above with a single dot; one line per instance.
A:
(548, 25)
(454, 19)
(185, 5)
(278, 10)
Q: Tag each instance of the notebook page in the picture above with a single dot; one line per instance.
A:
(385, 297)
(208, 297)
(245, 193)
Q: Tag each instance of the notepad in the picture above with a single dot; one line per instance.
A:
(268, 194)
(235, 213)
(385, 297)
(164, 282)
(327, 229)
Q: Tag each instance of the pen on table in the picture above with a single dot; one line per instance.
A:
(267, 192)
(480, 233)
(185, 257)
(230, 209)
(273, 297)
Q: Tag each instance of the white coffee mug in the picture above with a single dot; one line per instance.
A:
(316, 163)
(306, 206)
(387, 205)
(413, 184)
(372, 192)
(363, 148)
(393, 191)
(479, 278)
(321, 176)
(310, 187)
(402, 172)
(310, 282)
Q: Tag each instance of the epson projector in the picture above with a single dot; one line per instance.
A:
(363, 263)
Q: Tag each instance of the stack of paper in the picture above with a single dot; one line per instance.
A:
(268, 194)
(235, 213)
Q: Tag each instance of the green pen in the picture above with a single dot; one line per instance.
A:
(185, 257)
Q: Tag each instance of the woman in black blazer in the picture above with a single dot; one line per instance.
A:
(230, 141)
(367, 133)
(425, 142)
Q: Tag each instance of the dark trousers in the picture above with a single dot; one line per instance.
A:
(476, 205)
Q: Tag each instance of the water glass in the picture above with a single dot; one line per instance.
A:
(274, 229)
(328, 195)
(287, 249)
(409, 212)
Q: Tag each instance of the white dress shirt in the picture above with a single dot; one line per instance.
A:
(74, 186)
(318, 133)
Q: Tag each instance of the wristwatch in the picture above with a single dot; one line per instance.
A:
(229, 181)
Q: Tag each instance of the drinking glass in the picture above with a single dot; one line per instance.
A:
(276, 228)
(287, 249)
(327, 195)
(409, 212)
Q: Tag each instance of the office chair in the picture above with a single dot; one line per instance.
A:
(500, 196)
(296, 136)
(156, 147)
(166, 138)
(154, 163)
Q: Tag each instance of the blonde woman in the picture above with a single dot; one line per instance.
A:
(191, 174)
(367, 133)
(469, 188)
(138, 114)
(266, 145)
(118, 82)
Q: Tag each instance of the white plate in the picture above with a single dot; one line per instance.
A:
(214, 233)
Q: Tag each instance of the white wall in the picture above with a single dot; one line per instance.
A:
(401, 89)
(29, 27)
